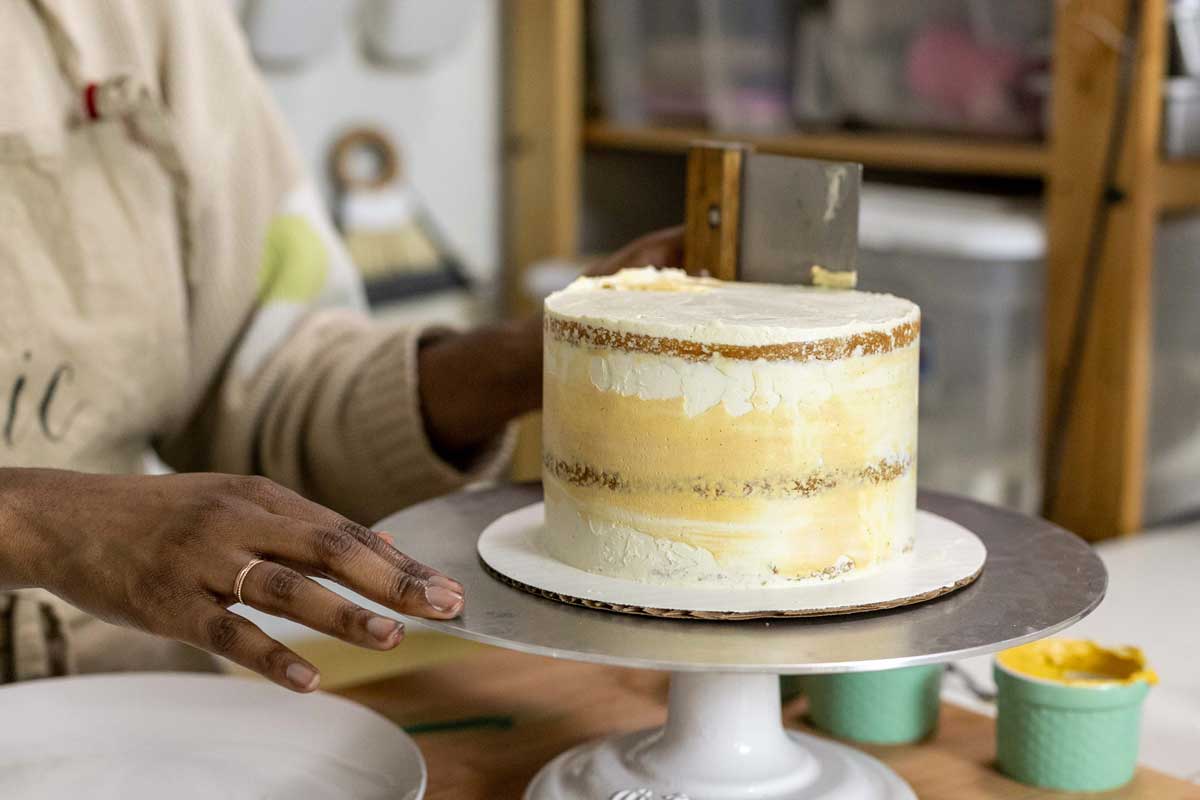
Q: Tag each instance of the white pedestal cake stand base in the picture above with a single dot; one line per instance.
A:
(724, 738)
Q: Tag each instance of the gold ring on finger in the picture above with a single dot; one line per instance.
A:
(241, 578)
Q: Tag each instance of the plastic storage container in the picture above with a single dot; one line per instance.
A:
(1181, 92)
(814, 96)
(1181, 117)
(722, 63)
(1173, 474)
(975, 266)
(1185, 37)
(950, 65)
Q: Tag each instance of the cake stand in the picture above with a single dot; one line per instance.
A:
(724, 738)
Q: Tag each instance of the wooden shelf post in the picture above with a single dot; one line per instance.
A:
(543, 104)
(1100, 489)
(543, 118)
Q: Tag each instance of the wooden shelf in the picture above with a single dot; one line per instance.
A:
(894, 151)
(1179, 185)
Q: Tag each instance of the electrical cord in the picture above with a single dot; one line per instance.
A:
(1110, 195)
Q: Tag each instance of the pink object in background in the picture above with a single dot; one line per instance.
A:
(971, 81)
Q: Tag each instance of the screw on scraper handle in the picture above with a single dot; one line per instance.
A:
(713, 218)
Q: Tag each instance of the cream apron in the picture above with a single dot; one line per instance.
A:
(85, 185)
(209, 310)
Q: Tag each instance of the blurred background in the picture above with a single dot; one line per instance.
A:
(1031, 172)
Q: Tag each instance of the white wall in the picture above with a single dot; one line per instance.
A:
(444, 115)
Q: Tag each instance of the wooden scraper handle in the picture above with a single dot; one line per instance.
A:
(713, 219)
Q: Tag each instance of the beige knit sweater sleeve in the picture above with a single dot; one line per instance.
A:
(290, 377)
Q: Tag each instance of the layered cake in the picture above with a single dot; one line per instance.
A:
(703, 432)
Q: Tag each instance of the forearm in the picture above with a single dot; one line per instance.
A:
(25, 545)
(473, 384)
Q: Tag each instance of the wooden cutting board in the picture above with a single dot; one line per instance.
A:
(488, 722)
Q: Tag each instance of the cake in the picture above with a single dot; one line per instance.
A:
(699, 432)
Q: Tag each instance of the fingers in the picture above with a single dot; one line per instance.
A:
(662, 248)
(280, 590)
(285, 503)
(227, 635)
(356, 558)
(317, 540)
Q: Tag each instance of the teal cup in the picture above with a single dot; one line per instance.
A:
(790, 687)
(1080, 737)
(892, 706)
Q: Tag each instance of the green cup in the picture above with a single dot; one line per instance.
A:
(1080, 737)
(891, 706)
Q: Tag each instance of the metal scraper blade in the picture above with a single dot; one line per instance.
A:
(798, 213)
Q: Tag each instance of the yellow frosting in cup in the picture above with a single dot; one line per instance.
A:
(1077, 662)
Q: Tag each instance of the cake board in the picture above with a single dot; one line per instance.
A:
(724, 736)
(945, 557)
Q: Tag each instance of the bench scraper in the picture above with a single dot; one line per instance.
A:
(771, 218)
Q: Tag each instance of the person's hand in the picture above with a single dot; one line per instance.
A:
(472, 384)
(162, 554)
(663, 248)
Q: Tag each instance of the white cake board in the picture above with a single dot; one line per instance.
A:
(945, 556)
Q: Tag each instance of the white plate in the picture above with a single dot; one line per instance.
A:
(945, 556)
(146, 736)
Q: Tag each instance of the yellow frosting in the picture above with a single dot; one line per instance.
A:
(834, 279)
(1078, 662)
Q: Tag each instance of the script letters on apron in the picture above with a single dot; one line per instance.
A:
(38, 402)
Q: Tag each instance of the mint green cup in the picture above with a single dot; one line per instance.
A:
(1080, 737)
(891, 706)
(790, 687)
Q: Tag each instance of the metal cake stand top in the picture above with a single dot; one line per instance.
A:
(1037, 580)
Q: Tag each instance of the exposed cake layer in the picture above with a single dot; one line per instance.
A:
(588, 477)
(829, 349)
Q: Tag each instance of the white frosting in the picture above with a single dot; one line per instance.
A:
(738, 386)
(611, 548)
(614, 545)
(668, 303)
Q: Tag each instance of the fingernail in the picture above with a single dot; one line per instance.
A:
(382, 628)
(442, 598)
(446, 583)
(387, 537)
(302, 677)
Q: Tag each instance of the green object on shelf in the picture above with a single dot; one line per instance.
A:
(892, 706)
(1080, 737)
